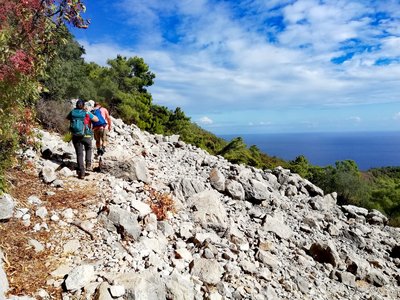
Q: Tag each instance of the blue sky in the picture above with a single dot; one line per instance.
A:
(253, 66)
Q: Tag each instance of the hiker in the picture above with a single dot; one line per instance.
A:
(89, 106)
(101, 128)
(82, 135)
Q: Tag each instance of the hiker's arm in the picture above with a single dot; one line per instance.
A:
(109, 122)
(92, 117)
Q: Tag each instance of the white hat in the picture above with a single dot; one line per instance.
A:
(89, 104)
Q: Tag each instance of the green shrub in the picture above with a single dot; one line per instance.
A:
(67, 137)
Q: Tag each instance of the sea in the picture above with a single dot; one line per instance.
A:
(367, 149)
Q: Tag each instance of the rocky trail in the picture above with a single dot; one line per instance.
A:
(166, 220)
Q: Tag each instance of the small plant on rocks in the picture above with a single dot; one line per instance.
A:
(161, 204)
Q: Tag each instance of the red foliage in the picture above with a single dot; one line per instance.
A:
(25, 127)
(18, 63)
(29, 22)
(21, 62)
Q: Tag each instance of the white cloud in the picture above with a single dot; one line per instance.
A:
(397, 116)
(355, 119)
(101, 52)
(205, 121)
(221, 63)
(391, 46)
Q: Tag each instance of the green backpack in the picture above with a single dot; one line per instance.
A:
(77, 124)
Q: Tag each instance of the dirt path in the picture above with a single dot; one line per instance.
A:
(28, 270)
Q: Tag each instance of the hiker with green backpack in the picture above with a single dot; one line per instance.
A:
(82, 135)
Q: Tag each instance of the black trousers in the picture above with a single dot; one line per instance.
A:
(81, 144)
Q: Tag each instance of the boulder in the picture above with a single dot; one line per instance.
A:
(142, 285)
(277, 225)
(125, 222)
(79, 277)
(217, 180)
(208, 210)
(208, 271)
(48, 174)
(125, 166)
(234, 189)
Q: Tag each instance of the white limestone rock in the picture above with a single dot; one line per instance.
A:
(117, 291)
(71, 247)
(36, 245)
(41, 212)
(208, 271)
(48, 174)
(34, 200)
(7, 206)
(217, 180)
(125, 221)
(142, 285)
(142, 208)
(235, 189)
(66, 172)
(4, 285)
(208, 209)
(179, 287)
(277, 225)
(79, 277)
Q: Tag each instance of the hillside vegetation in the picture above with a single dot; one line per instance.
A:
(377, 188)
(121, 86)
(45, 68)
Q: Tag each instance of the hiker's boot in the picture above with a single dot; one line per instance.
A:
(100, 151)
(81, 175)
(88, 167)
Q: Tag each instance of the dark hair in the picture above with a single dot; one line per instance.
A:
(80, 103)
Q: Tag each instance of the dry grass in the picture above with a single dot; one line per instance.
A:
(27, 271)
(74, 195)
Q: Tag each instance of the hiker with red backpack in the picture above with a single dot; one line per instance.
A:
(101, 127)
(82, 135)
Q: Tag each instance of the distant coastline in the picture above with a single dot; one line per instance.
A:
(367, 149)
